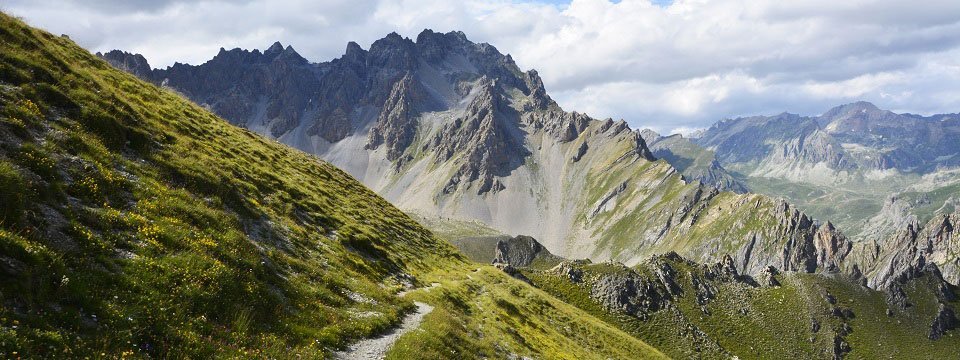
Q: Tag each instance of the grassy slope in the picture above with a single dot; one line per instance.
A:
(775, 322)
(474, 239)
(655, 195)
(850, 205)
(499, 326)
(453, 229)
(148, 224)
(137, 224)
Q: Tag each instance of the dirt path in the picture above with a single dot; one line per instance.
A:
(376, 348)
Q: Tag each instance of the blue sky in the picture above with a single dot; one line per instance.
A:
(668, 65)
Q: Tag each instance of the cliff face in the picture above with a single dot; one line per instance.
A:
(910, 250)
(487, 136)
(397, 123)
(523, 251)
(799, 244)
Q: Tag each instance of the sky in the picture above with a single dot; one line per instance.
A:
(673, 66)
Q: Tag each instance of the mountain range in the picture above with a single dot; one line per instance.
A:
(444, 127)
(447, 128)
(138, 222)
(846, 164)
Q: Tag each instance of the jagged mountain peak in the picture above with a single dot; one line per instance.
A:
(851, 108)
(354, 50)
(276, 48)
(450, 35)
(133, 63)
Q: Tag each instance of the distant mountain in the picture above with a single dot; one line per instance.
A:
(846, 163)
(692, 160)
(857, 136)
(445, 127)
(878, 174)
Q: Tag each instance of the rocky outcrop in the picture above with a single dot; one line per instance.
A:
(608, 201)
(581, 151)
(768, 277)
(135, 64)
(563, 126)
(512, 271)
(654, 285)
(832, 247)
(572, 270)
(539, 100)
(486, 140)
(397, 123)
(628, 292)
(944, 321)
(912, 249)
(522, 251)
(805, 245)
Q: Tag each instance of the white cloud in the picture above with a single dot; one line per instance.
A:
(678, 66)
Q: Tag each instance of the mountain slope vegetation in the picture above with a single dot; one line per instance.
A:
(689, 310)
(137, 224)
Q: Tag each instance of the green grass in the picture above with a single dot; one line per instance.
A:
(487, 314)
(12, 190)
(136, 223)
(474, 239)
(478, 249)
(452, 229)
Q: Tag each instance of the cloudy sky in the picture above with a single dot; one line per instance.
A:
(670, 65)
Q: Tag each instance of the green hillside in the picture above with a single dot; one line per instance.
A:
(713, 314)
(135, 223)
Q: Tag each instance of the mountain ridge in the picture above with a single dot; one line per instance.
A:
(443, 126)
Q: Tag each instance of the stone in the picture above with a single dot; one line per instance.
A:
(944, 321)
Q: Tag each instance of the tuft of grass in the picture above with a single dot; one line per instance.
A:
(12, 190)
